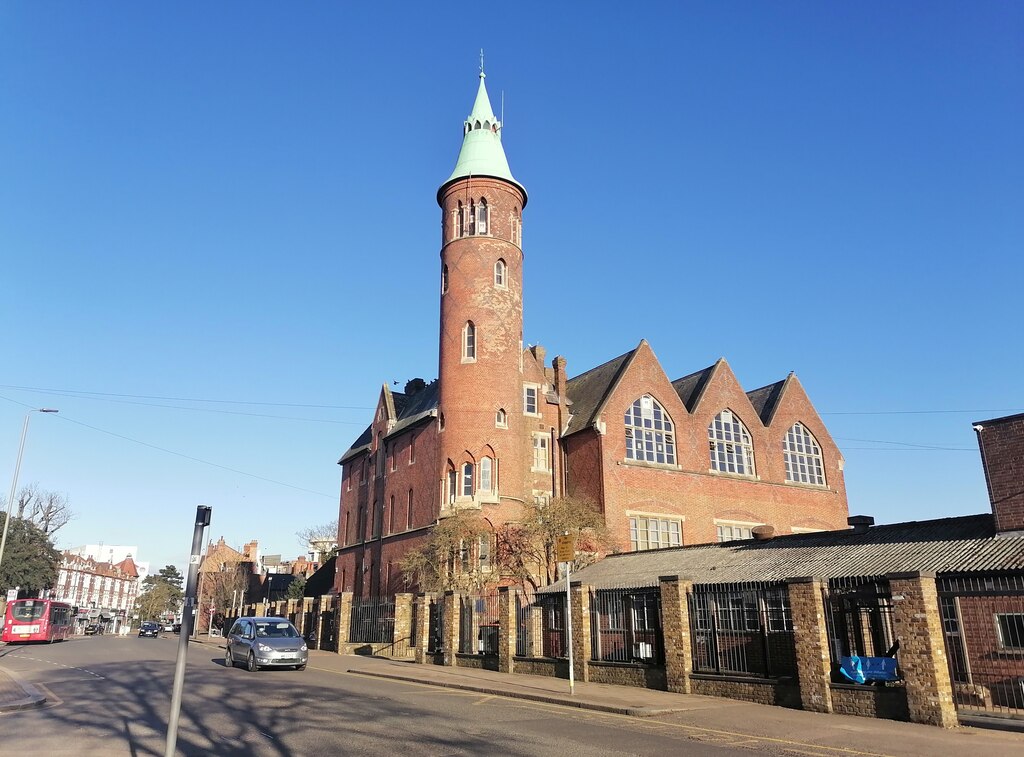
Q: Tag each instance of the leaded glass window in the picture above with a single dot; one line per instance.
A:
(649, 432)
(803, 456)
(730, 446)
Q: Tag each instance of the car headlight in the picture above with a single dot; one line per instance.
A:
(303, 648)
(264, 648)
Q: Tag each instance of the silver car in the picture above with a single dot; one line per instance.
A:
(265, 643)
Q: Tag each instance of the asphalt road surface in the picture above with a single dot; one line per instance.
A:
(111, 696)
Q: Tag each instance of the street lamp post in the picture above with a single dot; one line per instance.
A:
(17, 470)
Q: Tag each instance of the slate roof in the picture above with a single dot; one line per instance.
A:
(966, 544)
(765, 399)
(409, 411)
(689, 387)
(588, 390)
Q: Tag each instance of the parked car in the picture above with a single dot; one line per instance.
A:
(93, 628)
(149, 628)
(265, 643)
(168, 626)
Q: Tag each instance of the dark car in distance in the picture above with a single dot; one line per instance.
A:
(149, 628)
(93, 628)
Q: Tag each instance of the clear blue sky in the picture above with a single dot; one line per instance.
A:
(234, 203)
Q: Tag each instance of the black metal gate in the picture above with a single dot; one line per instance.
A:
(983, 627)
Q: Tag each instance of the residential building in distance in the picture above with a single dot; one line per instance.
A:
(666, 462)
(103, 592)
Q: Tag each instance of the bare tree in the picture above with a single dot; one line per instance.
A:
(321, 539)
(48, 511)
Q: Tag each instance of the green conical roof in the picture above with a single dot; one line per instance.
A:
(482, 153)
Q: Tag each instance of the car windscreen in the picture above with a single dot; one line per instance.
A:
(278, 630)
(29, 610)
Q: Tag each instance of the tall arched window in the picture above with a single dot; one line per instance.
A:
(500, 419)
(453, 485)
(486, 475)
(481, 217)
(461, 221)
(730, 446)
(803, 456)
(444, 279)
(500, 274)
(467, 479)
(469, 341)
(649, 432)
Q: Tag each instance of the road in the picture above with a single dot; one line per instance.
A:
(111, 696)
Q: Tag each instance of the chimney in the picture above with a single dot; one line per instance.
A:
(860, 523)
(1001, 441)
(414, 386)
(763, 533)
(539, 353)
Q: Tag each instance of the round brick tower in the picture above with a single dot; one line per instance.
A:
(481, 383)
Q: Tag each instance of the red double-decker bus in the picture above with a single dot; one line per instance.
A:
(37, 620)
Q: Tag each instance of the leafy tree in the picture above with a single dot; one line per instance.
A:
(30, 560)
(296, 587)
(161, 593)
(222, 589)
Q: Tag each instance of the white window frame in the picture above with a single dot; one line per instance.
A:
(802, 456)
(501, 418)
(469, 342)
(467, 479)
(666, 530)
(541, 453)
(730, 445)
(486, 478)
(649, 432)
(501, 274)
(535, 390)
(1004, 646)
(734, 530)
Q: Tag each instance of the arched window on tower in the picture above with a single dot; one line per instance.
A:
(500, 419)
(444, 279)
(481, 217)
(469, 342)
(730, 447)
(460, 221)
(501, 274)
(467, 479)
(516, 228)
(803, 456)
(486, 475)
(453, 485)
(649, 432)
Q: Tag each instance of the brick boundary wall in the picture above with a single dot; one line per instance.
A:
(810, 639)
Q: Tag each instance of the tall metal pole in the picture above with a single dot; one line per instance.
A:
(202, 521)
(568, 624)
(14, 481)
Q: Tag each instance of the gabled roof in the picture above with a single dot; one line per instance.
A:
(127, 567)
(766, 399)
(967, 544)
(689, 388)
(409, 410)
(588, 391)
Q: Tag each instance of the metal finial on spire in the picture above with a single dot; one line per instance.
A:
(481, 61)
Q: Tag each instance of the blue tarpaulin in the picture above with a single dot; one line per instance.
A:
(864, 669)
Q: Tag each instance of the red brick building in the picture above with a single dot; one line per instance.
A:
(1001, 441)
(667, 462)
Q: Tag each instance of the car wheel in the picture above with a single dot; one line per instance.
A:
(229, 661)
(251, 663)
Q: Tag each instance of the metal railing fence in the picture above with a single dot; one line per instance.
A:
(742, 629)
(372, 620)
(625, 625)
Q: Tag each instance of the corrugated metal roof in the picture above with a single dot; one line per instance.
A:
(966, 544)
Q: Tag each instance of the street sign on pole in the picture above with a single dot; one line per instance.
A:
(565, 548)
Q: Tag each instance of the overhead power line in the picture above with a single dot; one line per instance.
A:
(70, 392)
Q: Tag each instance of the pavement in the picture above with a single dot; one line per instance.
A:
(710, 719)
